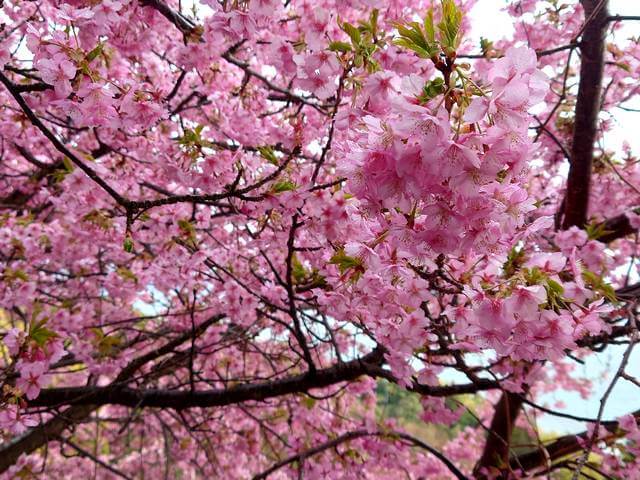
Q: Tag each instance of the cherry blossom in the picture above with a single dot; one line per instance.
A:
(228, 228)
(58, 71)
(31, 379)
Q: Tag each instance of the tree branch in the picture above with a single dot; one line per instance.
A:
(496, 450)
(619, 18)
(181, 22)
(83, 453)
(539, 53)
(42, 434)
(370, 364)
(586, 112)
(57, 143)
(180, 400)
(346, 437)
(615, 228)
(563, 446)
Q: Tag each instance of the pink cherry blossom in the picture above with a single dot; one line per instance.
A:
(589, 320)
(317, 73)
(11, 419)
(14, 339)
(71, 14)
(32, 378)
(280, 220)
(57, 71)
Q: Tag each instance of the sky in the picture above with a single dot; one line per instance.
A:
(490, 22)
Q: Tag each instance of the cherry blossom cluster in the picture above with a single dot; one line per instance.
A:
(32, 355)
(224, 225)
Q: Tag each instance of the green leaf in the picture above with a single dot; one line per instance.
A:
(345, 263)
(449, 27)
(268, 154)
(127, 274)
(485, 46)
(39, 333)
(596, 230)
(60, 174)
(18, 247)
(414, 38)
(308, 402)
(42, 335)
(127, 245)
(353, 32)
(343, 47)
(364, 42)
(193, 138)
(298, 271)
(555, 287)
(10, 275)
(624, 66)
(187, 229)
(99, 219)
(596, 283)
(93, 54)
(107, 345)
(352, 453)
(432, 89)
(283, 186)
(373, 20)
(514, 262)
(373, 66)
(185, 225)
(533, 276)
(68, 164)
(429, 28)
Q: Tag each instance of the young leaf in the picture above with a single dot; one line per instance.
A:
(93, 54)
(283, 186)
(432, 89)
(413, 37)
(429, 28)
(268, 154)
(127, 245)
(345, 263)
(342, 47)
(449, 27)
(353, 32)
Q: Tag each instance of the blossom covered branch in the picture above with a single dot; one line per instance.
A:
(238, 235)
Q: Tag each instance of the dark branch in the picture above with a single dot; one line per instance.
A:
(620, 18)
(42, 434)
(539, 53)
(180, 400)
(615, 228)
(83, 453)
(563, 446)
(370, 365)
(496, 450)
(183, 24)
(586, 113)
(346, 437)
(57, 143)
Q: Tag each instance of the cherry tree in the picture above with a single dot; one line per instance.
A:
(225, 223)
